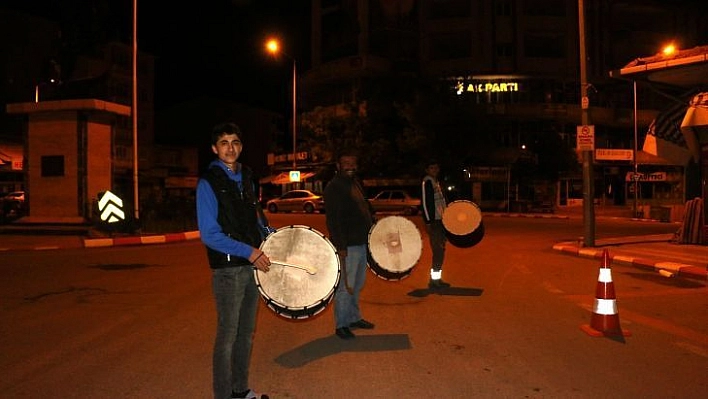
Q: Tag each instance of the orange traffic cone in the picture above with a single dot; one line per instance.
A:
(605, 319)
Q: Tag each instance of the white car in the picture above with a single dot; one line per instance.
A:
(297, 200)
(395, 201)
(14, 196)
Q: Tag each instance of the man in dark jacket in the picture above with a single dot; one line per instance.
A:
(232, 230)
(349, 219)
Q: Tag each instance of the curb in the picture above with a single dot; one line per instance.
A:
(667, 269)
(527, 215)
(140, 240)
(566, 216)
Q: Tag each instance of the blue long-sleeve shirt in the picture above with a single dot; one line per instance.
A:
(210, 231)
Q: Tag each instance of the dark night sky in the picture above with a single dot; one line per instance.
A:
(219, 50)
(209, 47)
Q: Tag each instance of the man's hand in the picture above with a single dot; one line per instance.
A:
(259, 260)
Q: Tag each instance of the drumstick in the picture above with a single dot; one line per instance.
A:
(308, 269)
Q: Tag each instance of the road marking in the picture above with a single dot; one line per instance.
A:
(692, 348)
(551, 288)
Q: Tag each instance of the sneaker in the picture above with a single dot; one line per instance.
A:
(250, 394)
(362, 324)
(344, 333)
(437, 284)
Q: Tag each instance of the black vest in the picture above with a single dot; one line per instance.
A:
(237, 214)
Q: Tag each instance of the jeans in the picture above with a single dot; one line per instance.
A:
(436, 233)
(236, 297)
(346, 305)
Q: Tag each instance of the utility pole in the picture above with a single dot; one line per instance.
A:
(294, 114)
(634, 157)
(588, 179)
(136, 196)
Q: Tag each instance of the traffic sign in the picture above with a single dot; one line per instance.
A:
(585, 137)
(294, 175)
(110, 207)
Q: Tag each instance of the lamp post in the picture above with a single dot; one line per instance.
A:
(668, 51)
(634, 176)
(588, 178)
(134, 109)
(273, 47)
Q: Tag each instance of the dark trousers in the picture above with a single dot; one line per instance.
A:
(236, 297)
(436, 234)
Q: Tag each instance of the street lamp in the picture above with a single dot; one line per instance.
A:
(668, 51)
(635, 175)
(273, 47)
(134, 113)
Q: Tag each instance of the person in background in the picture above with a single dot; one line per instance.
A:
(433, 204)
(349, 218)
(232, 229)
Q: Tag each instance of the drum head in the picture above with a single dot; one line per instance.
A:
(395, 245)
(463, 223)
(303, 274)
(461, 217)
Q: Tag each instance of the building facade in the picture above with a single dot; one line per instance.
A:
(514, 63)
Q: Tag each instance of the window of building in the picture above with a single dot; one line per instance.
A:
(504, 50)
(340, 34)
(330, 3)
(440, 9)
(544, 45)
(548, 8)
(502, 8)
(52, 165)
(453, 45)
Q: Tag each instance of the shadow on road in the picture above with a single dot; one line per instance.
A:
(455, 291)
(331, 345)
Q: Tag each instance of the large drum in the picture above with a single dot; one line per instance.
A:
(395, 246)
(304, 272)
(463, 223)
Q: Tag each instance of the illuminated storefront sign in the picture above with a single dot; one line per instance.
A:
(646, 177)
(486, 87)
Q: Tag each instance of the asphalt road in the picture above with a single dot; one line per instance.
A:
(138, 322)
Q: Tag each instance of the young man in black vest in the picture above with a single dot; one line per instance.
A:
(232, 229)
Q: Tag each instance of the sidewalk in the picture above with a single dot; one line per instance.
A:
(652, 252)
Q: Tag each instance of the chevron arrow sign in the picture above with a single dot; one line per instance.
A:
(110, 207)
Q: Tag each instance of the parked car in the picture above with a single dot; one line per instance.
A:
(15, 195)
(297, 200)
(12, 205)
(397, 201)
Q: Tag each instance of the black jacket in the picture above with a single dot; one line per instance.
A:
(237, 214)
(348, 213)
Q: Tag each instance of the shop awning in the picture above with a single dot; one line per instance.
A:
(686, 68)
(695, 123)
(284, 178)
(665, 137)
(671, 136)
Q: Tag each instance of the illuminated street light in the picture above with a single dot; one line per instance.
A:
(273, 47)
(669, 49)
